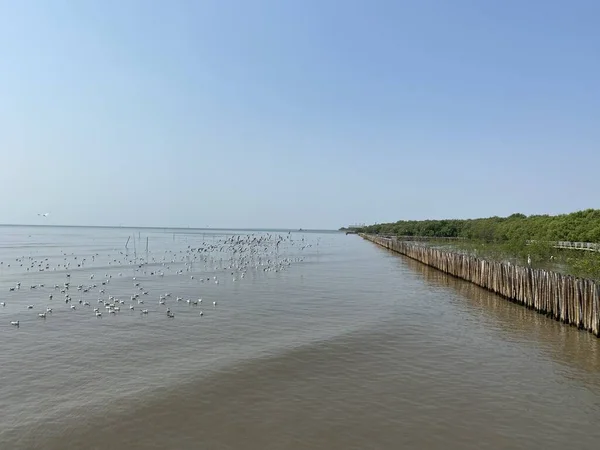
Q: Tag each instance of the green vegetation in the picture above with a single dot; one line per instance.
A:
(581, 226)
(510, 238)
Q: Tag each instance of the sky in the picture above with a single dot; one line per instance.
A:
(296, 114)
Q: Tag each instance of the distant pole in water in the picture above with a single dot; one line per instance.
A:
(146, 249)
(127, 243)
(134, 248)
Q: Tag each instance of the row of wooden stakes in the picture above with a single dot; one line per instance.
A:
(573, 301)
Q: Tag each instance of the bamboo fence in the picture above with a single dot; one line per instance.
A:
(573, 301)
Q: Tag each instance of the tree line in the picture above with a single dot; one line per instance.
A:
(580, 226)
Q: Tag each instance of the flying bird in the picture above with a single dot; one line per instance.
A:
(44, 215)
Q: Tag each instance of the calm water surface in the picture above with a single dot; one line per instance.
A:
(349, 347)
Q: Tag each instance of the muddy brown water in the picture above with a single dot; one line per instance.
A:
(349, 347)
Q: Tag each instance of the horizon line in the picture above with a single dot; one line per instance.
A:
(165, 227)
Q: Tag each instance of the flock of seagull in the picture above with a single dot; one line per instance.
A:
(235, 256)
(112, 304)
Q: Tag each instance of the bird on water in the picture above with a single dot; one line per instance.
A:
(255, 255)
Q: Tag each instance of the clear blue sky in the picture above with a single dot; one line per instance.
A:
(311, 113)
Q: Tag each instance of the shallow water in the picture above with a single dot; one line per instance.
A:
(348, 347)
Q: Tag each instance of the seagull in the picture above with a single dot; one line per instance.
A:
(15, 323)
(44, 214)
